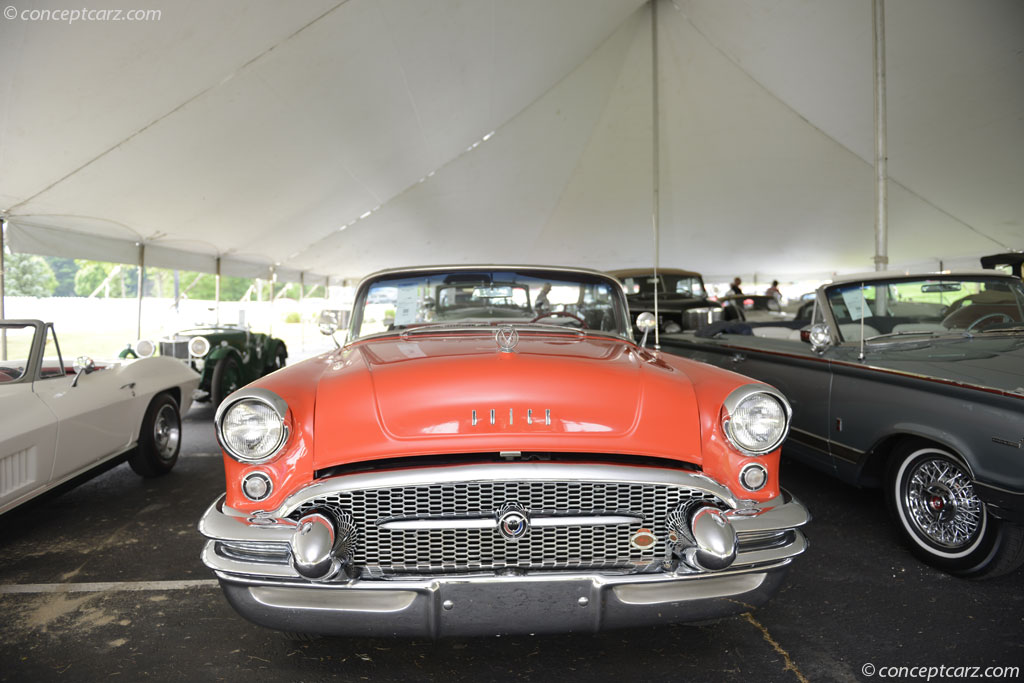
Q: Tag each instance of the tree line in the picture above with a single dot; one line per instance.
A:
(45, 276)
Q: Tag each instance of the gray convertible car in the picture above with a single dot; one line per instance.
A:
(910, 382)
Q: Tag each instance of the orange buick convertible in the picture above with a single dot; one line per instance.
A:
(492, 452)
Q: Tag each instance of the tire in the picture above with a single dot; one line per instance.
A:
(159, 438)
(940, 517)
(227, 378)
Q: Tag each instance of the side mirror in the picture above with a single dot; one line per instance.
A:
(83, 365)
(328, 323)
(645, 322)
(819, 337)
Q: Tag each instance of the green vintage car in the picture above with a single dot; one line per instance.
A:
(227, 357)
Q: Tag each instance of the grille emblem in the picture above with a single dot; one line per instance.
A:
(507, 338)
(513, 521)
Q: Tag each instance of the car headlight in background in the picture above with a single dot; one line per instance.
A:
(144, 348)
(199, 346)
(251, 427)
(755, 419)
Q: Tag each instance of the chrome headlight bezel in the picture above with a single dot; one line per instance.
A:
(731, 405)
(144, 348)
(198, 347)
(260, 396)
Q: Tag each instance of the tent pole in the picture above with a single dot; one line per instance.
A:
(273, 284)
(656, 164)
(216, 294)
(881, 151)
(3, 243)
(141, 282)
(302, 325)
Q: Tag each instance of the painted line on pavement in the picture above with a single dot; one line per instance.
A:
(101, 587)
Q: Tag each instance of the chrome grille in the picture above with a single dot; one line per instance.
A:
(382, 552)
(174, 349)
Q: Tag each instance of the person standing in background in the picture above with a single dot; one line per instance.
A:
(735, 287)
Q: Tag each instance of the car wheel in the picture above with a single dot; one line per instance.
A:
(227, 378)
(942, 519)
(159, 438)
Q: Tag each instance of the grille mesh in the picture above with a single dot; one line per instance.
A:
(174, 349)
(422, 551)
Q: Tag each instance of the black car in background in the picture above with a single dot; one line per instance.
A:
(683, 302)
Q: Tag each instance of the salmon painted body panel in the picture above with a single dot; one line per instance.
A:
(392, 397)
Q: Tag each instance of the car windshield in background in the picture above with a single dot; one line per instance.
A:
(672, 286)
(490, 297)
(952, 305)
(16, 343)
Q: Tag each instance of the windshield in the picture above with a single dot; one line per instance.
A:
(575, 300)
(15, 348)
(672, 286)
(943, 305)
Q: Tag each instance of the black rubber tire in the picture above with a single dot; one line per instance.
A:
(992, 548)
(226, 379)
(159, 438)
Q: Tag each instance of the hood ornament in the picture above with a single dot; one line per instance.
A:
(507, 338)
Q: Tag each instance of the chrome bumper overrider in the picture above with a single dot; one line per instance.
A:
(261, 582)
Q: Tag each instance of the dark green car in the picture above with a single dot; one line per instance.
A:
(227, 357)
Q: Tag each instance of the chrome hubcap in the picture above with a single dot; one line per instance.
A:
(166, 433)
(942, 504)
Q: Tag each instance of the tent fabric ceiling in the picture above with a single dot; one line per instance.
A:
(337, 138)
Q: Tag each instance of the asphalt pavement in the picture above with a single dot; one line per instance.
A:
(104, 582)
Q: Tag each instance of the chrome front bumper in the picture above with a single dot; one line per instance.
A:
(502, 605)
(275, 596)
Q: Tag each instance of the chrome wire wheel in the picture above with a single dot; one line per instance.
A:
(166, 432)
(938, 503)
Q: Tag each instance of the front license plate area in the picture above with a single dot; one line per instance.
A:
(518, 608)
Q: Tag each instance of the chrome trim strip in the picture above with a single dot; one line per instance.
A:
(490, 522)
(524, 471)
(432, 583)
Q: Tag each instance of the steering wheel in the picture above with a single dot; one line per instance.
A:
(561, 314)
(1004, 319)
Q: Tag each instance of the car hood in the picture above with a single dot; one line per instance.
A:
(995, 362)
(428, 394)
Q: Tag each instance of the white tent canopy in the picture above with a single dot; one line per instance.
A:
(330, 138)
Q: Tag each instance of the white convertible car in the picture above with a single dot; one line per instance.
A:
(59, 421)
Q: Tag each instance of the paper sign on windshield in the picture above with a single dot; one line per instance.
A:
(407, 305)
(855, 304)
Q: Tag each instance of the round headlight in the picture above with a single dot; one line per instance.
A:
(144, 348)
(251, 430)
(756, 422)
(199, 346)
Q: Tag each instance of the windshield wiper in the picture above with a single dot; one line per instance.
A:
(902, 333)
(473, 327)
(426, 328)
